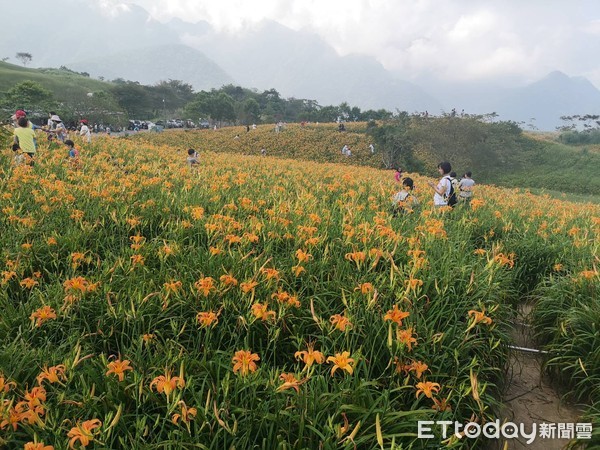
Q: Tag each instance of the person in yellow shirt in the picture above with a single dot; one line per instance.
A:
(24, 136)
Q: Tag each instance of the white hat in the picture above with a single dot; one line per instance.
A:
(55, 118)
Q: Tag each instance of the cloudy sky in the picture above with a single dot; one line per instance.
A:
(470, 40)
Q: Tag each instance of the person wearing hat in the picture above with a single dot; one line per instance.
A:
(60, 131)
(51, 124)
(19, 113)
(24, 138)
(85, 131)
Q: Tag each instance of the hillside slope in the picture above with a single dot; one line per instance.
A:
(496, 157)
(60, 82)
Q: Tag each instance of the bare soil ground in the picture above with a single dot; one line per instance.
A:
(530, 398)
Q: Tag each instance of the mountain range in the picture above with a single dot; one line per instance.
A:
(129, 44)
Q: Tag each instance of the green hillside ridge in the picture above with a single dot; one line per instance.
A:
(62, 83)
(497, 154)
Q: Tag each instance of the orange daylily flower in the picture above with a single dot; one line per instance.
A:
(413, 283)
(37, 446)
(207, 318)
(588, 274)
(357, 257)
(248, 286)
(10, 417)
(167, 384)
(118, 367)
(289, 382)
(233, 239)
(406, 337)
(228, 280)
(270, 274)
(505, 260)
(310, 356)
(83, 432)
(205, 285)
(28, 283)
(341, 361)
(53, 374)
(395, 315)
(419, 367)
(364, 288)
(137, 260)
(5, 385)
(478, 316)
(148, 337)
(303, 256)
(427, 388)
(166, 250)
(79, 285)
(261, 311)
(244, 362)
(340, 322)
(187, 414)
(36, 396)
(137, 241)
(215, 251)
(297, 270)
(42, 315)
(172, 286)
(197, 213)
(8, 275)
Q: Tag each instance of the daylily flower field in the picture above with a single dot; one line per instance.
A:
(259, 302)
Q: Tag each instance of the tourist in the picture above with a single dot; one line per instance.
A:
(85, 131)
(193, 158)
(404, 200)
(398, 174)
(444, 187)
(466, 187)
(59, 130)
(24, 137)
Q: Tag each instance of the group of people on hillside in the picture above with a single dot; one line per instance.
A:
(25, 143)
(449, 190)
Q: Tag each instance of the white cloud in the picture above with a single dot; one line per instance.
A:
(454, 39)
(111, 8)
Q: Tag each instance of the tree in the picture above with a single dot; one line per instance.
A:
(24, 57)
(200, 107)
(394, 144)
(251, 110)
(223, 108)
(133, 98)
(28, 95)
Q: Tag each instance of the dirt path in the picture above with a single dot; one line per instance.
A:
(529, 397)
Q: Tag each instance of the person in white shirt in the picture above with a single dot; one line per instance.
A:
(444, 186)
(404, 200)
(85, 131)
(193, 159)
(60, 131)
(466, 187)
(51, 124)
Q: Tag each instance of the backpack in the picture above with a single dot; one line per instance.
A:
(451, 196)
